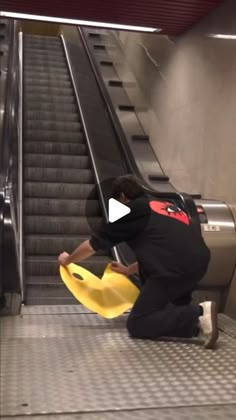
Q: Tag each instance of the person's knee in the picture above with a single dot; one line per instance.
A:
(143, 327)
(133, 328)
(130, 327)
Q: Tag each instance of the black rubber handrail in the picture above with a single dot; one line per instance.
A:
(4, 155)
(1, 247)
(185, 199)
(10, 279)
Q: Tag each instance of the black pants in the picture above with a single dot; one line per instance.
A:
(163, 308)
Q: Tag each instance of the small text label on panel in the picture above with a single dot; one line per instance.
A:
(211, 228)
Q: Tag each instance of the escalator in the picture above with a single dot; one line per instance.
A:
(58, 175)
(75, 363)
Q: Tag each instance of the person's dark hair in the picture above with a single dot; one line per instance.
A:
(128, 185)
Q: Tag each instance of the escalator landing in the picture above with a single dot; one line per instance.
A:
(61, 362)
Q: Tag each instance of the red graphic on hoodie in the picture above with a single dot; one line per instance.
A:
(169, 209)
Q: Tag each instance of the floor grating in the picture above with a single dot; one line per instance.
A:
(61, 361)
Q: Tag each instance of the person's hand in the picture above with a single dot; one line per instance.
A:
(119, 268)
(63, 258)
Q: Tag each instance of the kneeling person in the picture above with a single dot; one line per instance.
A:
(171, 260)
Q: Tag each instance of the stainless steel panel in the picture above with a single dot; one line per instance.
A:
(109, 73)
(230, 307)
(219, 235)
(130, 121)
(118, 96)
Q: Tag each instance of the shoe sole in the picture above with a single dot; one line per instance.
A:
(210, 342)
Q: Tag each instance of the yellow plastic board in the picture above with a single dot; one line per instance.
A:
(109, 296)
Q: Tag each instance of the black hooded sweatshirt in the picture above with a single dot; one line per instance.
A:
(166, 245)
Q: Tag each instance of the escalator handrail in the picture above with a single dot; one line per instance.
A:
(6, 157)
(186, 200)
(9, 168)
(104, 208)
(1, 244)
(4, 152)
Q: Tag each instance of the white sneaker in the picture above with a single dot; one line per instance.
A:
(208, 324)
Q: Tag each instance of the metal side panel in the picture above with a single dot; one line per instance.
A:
(80, 363)
(219, 233)
(106, 49)
(230, 308)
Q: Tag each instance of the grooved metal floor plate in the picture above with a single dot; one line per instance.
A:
(56, 361)
(228, 325)
(54, 309)
(220, 412)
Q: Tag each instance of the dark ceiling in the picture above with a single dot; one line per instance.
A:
(173, 16)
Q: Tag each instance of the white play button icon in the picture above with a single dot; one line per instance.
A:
(117, 210)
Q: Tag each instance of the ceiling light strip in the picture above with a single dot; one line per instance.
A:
(78, 22)
(222, 36)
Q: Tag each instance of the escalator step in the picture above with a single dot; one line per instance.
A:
(55, 148)
(41, 53)
(60, 225)
(56, 161)
(43, 68)
(48, 76)
(44, 281)
(42, 300)
(65, 207)
(30, 47)
(41, 45)
(53, 244)
(51, 116)
(46, 98)
(48, 82)
(35, 40)
(42, 38)
(52, 106)
(40, 48)
(49, 63)
(53, 65)
(48, 265)
(54, 136)
(49, 59)
(56, 281)
(53, 125)
(55, 56)
(49, 290)
(58, 190)
(39, 66)
(84, 176)
(49, 90)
